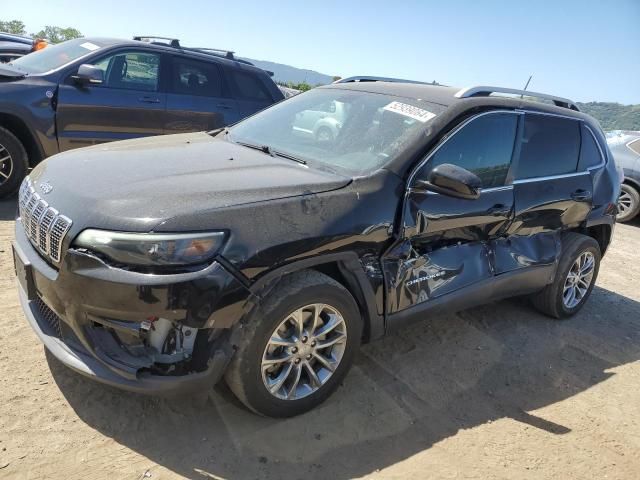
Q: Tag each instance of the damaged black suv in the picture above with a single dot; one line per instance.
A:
(266, 254)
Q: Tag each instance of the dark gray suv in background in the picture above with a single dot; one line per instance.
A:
(95, 90)
(267, 255)
(625, 148)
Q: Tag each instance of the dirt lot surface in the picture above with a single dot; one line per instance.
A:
(495, 392)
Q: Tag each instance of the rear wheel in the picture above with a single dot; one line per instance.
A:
(628, 203)
(297, 347)
(14, 163)
(575, 278)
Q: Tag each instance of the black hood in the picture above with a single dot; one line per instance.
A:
(135, 185)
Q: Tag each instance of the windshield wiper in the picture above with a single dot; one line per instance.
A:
(270, 151)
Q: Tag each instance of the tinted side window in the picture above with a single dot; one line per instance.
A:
(484, 147)
(589, 152)
(249, 87)
(550, 146)
(130, 71)
(190, 77)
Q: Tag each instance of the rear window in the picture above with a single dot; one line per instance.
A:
(249, 87)
(589, 152)
(550, 146)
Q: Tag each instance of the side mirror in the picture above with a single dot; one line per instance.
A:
(89, 74)
(451, 180)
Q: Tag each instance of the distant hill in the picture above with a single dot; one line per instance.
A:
(613, 116)
(288, 74)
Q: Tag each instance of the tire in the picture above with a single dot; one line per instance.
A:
(15, 165)
(551, 299)
(628, 203)
(324, 134)
(246, 376)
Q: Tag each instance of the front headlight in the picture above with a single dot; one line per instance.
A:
(150, 249)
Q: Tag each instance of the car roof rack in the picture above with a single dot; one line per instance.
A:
(484, 91)
(369, 78)
(175, 43)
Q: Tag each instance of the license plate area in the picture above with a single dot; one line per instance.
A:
(24, 273)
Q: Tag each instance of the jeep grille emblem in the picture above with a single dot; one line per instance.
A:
(46, 187)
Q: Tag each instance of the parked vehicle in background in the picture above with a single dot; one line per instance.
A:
(625, 147)
(13, 46)
(266, 256)
(323, 122)
(94, 90)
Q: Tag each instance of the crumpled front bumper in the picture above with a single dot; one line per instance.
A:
(84, 363)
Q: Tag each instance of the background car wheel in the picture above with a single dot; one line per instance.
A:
(324, 135)
(14, 163)
(628, 203)
(575, 277)
(297, 346)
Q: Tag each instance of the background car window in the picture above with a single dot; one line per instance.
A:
(130, 71)
(550, 146)
(484, 147)
(589, 152)
(196, 78)
(249, 87)
(635, 146)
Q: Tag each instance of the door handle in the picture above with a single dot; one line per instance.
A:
(581, 195)
(149, 100)
(498, 209)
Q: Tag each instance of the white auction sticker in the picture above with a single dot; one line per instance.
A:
(410, 111)
(89, 46)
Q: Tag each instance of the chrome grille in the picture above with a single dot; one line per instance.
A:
(44, 225)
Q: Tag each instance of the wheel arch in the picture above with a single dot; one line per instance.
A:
(346, 269)
(20, 129)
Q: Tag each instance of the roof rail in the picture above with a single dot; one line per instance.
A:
(214, 51)
(369, 78)
(173, 42)
(484, 91)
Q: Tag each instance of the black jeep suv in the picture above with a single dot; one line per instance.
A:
(267, 255)
(94, 90)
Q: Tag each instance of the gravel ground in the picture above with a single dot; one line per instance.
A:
(494, 392)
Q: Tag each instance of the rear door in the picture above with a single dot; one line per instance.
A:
(128, 104)
(249, 91)
(198, 98)
(551, 193)
(448, 241)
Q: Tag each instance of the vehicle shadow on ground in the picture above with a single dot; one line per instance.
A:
(405, 393)
(8, 208)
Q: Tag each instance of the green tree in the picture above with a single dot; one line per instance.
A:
(13, 26)
(57, 34)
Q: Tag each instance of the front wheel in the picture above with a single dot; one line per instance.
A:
(14, 163)
(297, 347)
(575, 277)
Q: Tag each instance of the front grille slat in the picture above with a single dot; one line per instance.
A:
(43, 225)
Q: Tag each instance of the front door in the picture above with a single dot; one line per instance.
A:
(128, 104)
(447, 241)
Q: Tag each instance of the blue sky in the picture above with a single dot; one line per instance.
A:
(582, 49)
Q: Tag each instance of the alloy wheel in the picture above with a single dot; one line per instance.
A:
(625, 203)
(6, 164)
(578, 280)
(304, 351)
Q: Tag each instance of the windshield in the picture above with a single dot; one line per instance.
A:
(55, 56)
(345, 130)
